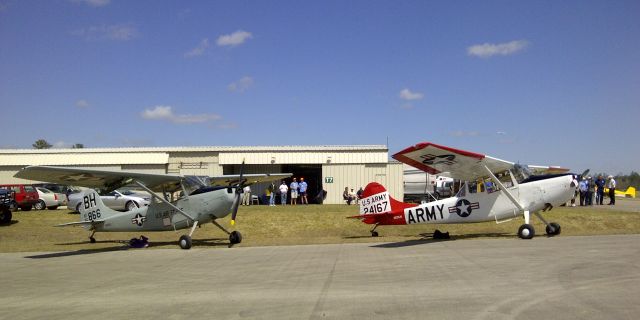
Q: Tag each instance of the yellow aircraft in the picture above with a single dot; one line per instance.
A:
(630, 193)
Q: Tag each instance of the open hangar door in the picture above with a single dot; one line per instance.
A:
(312, 174)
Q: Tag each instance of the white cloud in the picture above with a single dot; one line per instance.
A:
(241, 85)
(234, 39)
(406, 94)
(199, 49)
(164, 113)
(487, 50)
(82, 104)
(93, 3)
(117, 32)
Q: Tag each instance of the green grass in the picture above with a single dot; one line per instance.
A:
(295, 225)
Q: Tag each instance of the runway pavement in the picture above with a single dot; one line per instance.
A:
(594, 277)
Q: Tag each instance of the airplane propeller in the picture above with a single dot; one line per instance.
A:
(236, 202)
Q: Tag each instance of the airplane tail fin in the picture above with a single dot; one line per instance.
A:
(630, 193)
(92, 208)
(376, 199)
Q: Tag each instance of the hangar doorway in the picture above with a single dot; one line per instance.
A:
(312, 174)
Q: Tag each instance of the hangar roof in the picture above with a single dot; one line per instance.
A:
(227, 155)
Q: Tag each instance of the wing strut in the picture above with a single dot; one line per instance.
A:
(503, 188)
(141, 185)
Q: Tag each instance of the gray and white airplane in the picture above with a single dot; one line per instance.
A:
(200, 199)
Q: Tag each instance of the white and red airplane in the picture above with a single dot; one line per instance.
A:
(495, 189)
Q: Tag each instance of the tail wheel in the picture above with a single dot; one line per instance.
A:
(40, 205)
(526, 231)
(374, 233)
(235, 237)
(185, 242)
(553, 229)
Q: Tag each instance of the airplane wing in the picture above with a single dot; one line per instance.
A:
(538, 170)
(98, 179)
(250, 179)
(111, 180)
(460, 164)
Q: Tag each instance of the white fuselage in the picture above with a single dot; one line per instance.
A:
(496, 205)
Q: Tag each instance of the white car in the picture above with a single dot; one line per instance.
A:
(124, 200)
(49, 199)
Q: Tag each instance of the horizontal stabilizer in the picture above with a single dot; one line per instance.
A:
(81, 223)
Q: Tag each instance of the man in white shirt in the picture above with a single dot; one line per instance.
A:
(612, 190)
(283, 193)
(246, 196)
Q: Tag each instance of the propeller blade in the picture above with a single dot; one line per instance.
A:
(236, 202)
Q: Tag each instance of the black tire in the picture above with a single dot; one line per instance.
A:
(92, 239)
(235, 237)
(53, 208)
(374, 233)
(526, 231)
(78, 207)
(40, 205)
(131, 205)
(553, 229)
(185, 242)
(5, 216)
(25, 208)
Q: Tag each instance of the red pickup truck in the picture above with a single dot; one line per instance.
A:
(25, 195)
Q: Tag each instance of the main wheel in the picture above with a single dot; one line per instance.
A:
(185, 242)
(131, 205)
(526, 231)
(5, 216)
(40, 205)
(235, 237)
(553, 229)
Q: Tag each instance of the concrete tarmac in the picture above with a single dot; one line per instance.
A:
(596, 277)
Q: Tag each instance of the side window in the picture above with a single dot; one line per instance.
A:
(15, 189)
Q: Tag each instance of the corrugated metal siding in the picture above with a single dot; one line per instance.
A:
(145, 168)
(72, 159)
(359, 175)
(311, 157)
(194, 163)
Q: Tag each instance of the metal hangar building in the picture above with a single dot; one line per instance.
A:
(329, 168)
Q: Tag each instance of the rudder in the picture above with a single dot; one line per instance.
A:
(376, 199)
(92, 208)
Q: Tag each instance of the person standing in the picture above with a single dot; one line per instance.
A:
(303, 191)
(272, 196)
(591, 188)
(283, 193)
(600, 191)
(294, 191)
(246, 196)
(582, 186)
(612, 190)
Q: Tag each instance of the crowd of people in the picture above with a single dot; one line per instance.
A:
(588, 188)
(350, 196)
(295, 192)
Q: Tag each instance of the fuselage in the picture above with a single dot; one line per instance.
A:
(488, 205)
(159, 216)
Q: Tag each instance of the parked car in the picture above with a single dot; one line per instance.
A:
(49, 199)
(6, 201)
(59, 189)
(25, 195)
(123, 200)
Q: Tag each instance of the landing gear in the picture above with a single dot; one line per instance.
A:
(235, 237)
(439, 235)
(526, 231)
(91, 238)
(185, 242)
(553, 229)
(373, 231)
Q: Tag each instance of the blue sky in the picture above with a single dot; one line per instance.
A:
(539, 82)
